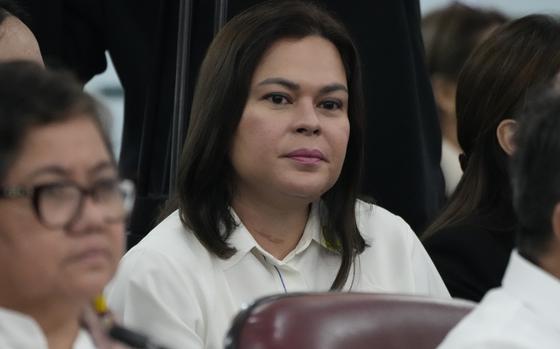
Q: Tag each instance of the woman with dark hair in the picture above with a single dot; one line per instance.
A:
(62, 211)
(268, 182)
(450, 35)
(471, 241)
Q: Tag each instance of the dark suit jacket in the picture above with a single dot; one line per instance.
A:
(472, 256)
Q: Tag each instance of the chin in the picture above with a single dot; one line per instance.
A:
(308, 193)
(92, 284)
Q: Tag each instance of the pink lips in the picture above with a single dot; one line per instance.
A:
(91, 255)
(306, 156)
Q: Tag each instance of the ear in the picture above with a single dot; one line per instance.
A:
(505, 133)
(444, 94)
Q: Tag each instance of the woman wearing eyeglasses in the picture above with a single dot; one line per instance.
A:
(62, 211)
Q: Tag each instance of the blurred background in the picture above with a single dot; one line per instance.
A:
(107, 88)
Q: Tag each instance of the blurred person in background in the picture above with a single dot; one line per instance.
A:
(62, 211)
(523, 312)
(16, 40)
(450, 34)
(471, 240)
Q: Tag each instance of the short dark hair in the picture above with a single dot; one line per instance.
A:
(535, 171)
(31, 96)
(11, 8)
(493, 86)
(451, 33)
(205, 178)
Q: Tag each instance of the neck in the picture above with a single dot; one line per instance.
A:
(59, 321)
(276, 229)
(449, 129)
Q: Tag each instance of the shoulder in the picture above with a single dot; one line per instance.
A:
(472, 244)
(170, 242)
(499, 321)
(170, 256)
(394, 258)
(165, 283)
(462, 233)
(378, 225)
(20, 331)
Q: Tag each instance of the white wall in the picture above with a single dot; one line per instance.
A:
(107, 88)
(512, 8)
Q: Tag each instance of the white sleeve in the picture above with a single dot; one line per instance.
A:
(469, 343)
(150, 295)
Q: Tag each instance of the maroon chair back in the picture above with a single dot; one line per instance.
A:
(345, 320)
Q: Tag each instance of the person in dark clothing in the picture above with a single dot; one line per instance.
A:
(450, 34)
(470, 242)
(402, 150)
(471, 257)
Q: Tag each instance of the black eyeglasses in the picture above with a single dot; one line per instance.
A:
(59, 204)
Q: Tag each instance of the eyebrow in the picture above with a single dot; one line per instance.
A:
(60, 171)
(295, 87)
(105, 165)
(48, 170)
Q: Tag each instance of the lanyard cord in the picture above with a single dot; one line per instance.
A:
(281, 279)
(279, 275)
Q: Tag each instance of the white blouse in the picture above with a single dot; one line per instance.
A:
(173, 289)
(522, 314)
(19, 331)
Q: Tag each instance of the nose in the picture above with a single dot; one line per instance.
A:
(89, 218)
(307, 121)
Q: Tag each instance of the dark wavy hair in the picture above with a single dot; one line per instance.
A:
(205, 177)
(31, 96)
(493, 86)
(535, 171)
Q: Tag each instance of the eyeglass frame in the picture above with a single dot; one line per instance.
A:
(34, 193)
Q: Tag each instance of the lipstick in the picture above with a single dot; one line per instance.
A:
(306, 156)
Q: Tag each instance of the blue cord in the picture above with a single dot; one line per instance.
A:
(279, 275)
(281, 279)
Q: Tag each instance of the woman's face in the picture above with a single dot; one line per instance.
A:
(37, 263)
(292, 137)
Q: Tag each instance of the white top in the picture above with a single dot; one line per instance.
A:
(523, 313)
(172, 289)
(19, 331)
(450, 166)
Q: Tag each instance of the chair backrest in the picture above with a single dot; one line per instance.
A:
(345, 320)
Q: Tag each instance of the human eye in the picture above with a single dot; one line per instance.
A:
(330, 104)
(106, 189)
(59, 192)
(277, 98)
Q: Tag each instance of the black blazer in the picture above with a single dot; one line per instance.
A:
(472, 256)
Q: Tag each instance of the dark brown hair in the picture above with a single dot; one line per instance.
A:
(205, 179)
(535, 171)
(31, 96)
(493, 86)
(451, 33)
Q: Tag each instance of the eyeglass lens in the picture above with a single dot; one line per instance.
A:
(58, 204)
